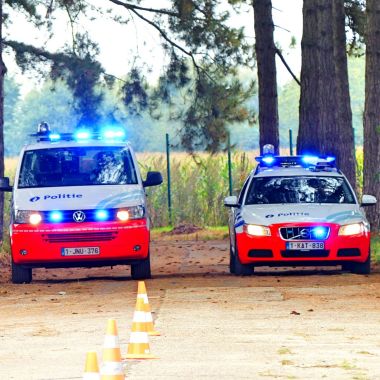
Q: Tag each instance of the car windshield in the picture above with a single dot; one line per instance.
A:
(77, 166)
(307, 189)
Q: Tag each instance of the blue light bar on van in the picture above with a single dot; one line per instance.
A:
(55, 216)
(54, 136)
(269, 160)
(310, 160)
(82, 135)
(113, 134)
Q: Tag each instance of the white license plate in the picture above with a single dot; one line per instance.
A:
(306, 245)
(80, 251)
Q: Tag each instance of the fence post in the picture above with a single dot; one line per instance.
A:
(168, 176)
(229, 163)
(291, 142)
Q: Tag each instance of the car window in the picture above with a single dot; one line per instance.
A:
(307, 189)
(77, 166)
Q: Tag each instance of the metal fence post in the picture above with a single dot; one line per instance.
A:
(229, 163)
(291, 142)
(168, 176)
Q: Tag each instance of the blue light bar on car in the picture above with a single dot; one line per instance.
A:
(54, 136)
(269, 160)
(320, 233)
(82, 135)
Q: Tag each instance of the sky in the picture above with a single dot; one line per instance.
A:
(138, 43)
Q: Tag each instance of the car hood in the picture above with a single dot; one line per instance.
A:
(290, 213)
(78, 197)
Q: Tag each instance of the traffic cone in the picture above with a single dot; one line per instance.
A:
(112, 368)
(138, 347)
(91, 368)
(141, 293)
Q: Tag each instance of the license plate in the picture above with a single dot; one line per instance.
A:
(306, 245)
(80, 251)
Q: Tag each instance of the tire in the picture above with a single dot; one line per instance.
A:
(362, 268)
(239, 268)
(20, 274)
(141, 271)
(232, 263)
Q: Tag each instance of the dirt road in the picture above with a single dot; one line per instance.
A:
(278, 324)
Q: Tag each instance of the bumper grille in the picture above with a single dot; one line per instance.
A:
(79, 237)
(305, 254)
(346, 252)
(260, 253)
(300, 233)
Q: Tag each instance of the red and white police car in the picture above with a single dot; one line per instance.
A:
(79, 201)
(298, 210)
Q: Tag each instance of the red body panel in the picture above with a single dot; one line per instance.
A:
(44, 242)
(277, 244)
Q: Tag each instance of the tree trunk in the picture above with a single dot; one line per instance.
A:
(266, 72)
(2, 75)
(372, 112)
(308, 140)
(346, 146)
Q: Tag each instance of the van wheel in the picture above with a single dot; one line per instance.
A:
(20, 274)
(141, 270)
(241, 269)
(362, 268)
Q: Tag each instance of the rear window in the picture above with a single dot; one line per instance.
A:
(318, 189)
(77, 166)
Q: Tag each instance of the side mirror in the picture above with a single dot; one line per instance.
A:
(4, 184)
(231, 201)
(152, 179)
(368, 200)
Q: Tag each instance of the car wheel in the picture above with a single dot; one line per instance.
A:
(239, 268)
(141, 270)
(362, 268)
(232, 263)
(20, 274)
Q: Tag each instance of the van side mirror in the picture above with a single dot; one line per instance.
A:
(231, 201)
(368, 200)
(152, 179)
(4, 184)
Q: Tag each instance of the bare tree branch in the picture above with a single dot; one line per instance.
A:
(278, 52)
(153, 10)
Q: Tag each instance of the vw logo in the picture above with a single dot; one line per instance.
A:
(304, 233)
(79, 216)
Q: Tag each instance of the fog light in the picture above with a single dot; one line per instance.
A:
(23, 252)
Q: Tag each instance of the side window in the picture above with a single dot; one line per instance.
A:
(243, 190)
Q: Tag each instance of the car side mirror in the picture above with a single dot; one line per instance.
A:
(231, 201)
(152, 179)
(368, 200)
(4, 184)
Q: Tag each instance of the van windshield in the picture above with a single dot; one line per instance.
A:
(303, 189)
(77, 166)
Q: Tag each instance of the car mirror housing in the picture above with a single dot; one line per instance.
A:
(152, 179)
(368, 200)
(4, 184)
(231, 201)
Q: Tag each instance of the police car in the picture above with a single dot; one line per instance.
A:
(298, 210)
(79, 201)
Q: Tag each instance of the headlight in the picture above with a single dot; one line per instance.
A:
(352, 229)
(128, 213)
(28, 217)
(255, 230)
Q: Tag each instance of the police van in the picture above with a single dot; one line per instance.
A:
(78, 200)
(298, 210)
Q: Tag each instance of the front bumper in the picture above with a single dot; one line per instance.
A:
(115, 242)
(271, 250)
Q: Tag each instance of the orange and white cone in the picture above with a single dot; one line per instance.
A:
(138, 347)
(91, 368)
(112, 367)
(141, 293)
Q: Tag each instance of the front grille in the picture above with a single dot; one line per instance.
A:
(345, 252)
(79, 237)
(298, 253)
(260, 253)
(302, 233)
(68, 216)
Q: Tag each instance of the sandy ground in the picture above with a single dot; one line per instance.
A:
(277, 324)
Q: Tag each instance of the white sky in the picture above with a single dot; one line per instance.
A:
(120, 45)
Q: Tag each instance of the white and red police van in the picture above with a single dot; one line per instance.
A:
(298, 210)
(79, 201)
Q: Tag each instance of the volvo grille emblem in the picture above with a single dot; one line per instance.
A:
(79, 216)
(304, 233)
